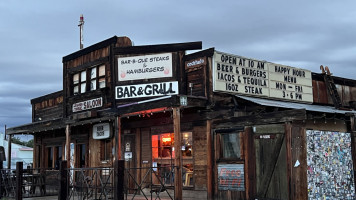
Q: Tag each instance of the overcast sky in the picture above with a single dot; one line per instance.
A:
(35, 35)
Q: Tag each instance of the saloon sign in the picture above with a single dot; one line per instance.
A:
(87, 105)
(147, 90)
(240, 75)
(145, 67)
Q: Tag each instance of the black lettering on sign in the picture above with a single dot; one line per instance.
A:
(253, 90)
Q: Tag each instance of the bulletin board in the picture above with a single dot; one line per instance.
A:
(330, 168)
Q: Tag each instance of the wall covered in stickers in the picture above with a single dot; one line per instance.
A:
(330, 169)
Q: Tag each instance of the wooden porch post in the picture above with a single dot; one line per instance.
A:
(118, 138)
(68, 145)
(8, 150)
(178, 185)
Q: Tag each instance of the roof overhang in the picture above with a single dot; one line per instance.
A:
(292, 105)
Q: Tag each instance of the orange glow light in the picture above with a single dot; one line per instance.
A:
(166, 139)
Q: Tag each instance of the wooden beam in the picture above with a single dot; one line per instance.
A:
(178, 185)
(265, 118)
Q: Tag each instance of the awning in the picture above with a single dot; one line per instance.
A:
(292, 105)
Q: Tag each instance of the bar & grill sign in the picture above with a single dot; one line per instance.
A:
(101, 131)
(147, 90)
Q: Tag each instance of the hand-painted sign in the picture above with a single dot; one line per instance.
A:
(145, 67)
(231, 177)
(240, 75)
(147, 90)
(87, 105)
(101, 131)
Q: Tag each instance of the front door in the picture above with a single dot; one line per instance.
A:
(271, 162)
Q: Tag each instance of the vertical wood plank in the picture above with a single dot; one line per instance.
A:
(209, 160)
(288, 135)
(138, 153)
(250, 162)
(178, 154)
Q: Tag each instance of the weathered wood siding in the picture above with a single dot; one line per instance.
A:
(47, 107)
(200, 157)
(345, 88)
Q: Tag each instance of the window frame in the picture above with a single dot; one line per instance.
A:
(219, 142)
(83, 83)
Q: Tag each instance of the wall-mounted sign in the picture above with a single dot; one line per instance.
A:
(145, 67)
(231, 177)
(128, 156)
(183, 100)
(240, 75)
(101, 131)
(87, 105)
(146, 90)
(195, 63)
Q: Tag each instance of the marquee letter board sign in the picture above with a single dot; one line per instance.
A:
(231, 177)
(330, 169)
(240, 75)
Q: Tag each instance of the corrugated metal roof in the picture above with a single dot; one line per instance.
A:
(283, 104)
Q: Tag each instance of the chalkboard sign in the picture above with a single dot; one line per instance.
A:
(231, 177)
(2, 154)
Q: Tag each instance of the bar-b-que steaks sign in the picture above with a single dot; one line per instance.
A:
(145, 67)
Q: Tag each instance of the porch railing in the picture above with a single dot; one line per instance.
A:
(88, 183)
(149, 183)
(91, 183)
(23, 183)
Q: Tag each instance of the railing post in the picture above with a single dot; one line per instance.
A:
(19, 171)
(63, 185)
(119, 172)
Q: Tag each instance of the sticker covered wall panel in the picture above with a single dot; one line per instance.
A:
(330, 168)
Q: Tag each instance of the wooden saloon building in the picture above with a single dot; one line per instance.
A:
(233, 127)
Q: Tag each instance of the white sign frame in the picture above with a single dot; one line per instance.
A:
(101, 131)
(87, 105)
(239, 75)
(145, 67)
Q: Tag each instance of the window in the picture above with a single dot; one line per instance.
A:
(49, 157)
(163, 154)
(82, 151)
(230, 146)
(89, 80)
(106, 150)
